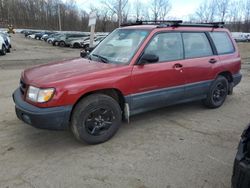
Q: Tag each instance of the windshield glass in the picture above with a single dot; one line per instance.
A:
(120, 46)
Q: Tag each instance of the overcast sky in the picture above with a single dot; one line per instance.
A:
(180, 8)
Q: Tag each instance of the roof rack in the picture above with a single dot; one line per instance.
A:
(174, 23)
(154, 22)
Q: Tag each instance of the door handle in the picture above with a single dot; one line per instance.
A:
(177, 66)
(212, 61)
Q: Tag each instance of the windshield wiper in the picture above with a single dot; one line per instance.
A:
(103, 59)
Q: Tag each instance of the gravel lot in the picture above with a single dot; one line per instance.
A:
(184, 146)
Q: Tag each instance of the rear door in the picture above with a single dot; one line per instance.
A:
(161, 83)
(200, 58)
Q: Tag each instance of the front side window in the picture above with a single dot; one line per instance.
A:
(167, 46)
(120, 46)
(222, 42)
(196, 45)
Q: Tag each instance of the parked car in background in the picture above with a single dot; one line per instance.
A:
(7, 41)
(38, 36)
(79, 43)
(239, 37)
(51, 38)
(65, 39)
(3, 47)
(241, 170)
(162, 65)
(28, 32)
(46, 36)
(97, 40)
(31, 36)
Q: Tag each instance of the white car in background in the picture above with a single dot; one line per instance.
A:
(239, 37)
(31, 36)
(3, 48)
(79, 42)
(97, 40)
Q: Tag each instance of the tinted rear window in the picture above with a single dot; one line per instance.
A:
(222, 42)
(196, 45)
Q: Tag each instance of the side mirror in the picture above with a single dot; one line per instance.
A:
(84, 54)
(148, 58)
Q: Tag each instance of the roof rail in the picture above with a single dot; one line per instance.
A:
(154, 22)
(217, 24)
(174, 23)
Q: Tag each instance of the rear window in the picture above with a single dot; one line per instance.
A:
(222, 42)
(196, 45)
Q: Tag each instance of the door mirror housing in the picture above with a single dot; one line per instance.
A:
(148, 58)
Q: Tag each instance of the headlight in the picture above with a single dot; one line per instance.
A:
(40, 95)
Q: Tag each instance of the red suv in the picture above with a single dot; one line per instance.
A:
(137, 68)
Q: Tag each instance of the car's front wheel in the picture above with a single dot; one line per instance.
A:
(76, 45)
(8, 50)
(62, 44)
(96, 119)
(218, 93)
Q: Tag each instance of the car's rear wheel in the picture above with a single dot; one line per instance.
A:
(96, 119)
(218, 93)
(3, 50)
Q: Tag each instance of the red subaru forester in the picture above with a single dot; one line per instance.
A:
(138, 67)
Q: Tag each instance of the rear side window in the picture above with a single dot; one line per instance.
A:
(167, 46)
(222, 42)
(196, 45)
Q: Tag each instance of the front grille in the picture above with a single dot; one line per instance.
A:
(23, 87)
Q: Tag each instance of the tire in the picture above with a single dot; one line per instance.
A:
(96, 119)
(3, 50)
(8, 50)
(76, 45)
(86, 46)
(217, 93)
(62, 44)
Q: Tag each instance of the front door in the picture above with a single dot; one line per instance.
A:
(160, 83)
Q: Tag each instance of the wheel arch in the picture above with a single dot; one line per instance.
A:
(112, 92)
(228, 75)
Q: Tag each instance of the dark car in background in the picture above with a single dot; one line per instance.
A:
(38, 36)
(27, 33)
(241, 171)
(46, 37)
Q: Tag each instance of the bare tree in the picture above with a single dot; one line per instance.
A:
(117, 7)
(206, 11)
(138, 9)
(223, 6)
(160, 8)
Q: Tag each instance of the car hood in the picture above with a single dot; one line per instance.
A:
(50, 74)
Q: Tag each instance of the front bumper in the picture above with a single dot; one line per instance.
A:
(55, 118)
(241, 171)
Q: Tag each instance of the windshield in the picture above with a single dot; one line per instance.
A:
(120, 46)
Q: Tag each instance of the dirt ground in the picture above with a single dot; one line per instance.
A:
(184, 146)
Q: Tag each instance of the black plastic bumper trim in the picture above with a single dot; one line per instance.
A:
(55, 118)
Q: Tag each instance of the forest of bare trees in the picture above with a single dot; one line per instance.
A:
(44, 14)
